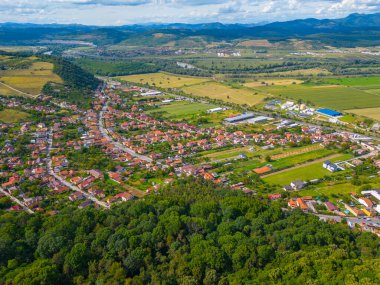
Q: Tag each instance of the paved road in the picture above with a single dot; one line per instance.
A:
(353, 220)
(66, 183)
(117, 144)
(14, 199)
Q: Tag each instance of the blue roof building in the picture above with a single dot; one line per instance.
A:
(329, 112)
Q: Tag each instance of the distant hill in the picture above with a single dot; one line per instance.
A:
(356, 29)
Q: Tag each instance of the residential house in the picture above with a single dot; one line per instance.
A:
(353, 210)
(76, 196)
(331, 207)
(366, 202)
(85, 204)
(298, 184)
(126, 196)
(332, 167)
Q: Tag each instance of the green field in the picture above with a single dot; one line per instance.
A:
(12, 116)
(373, 113)
(355, 81)
(307, 172)
(285, 162)
(214, 90)
(336, 97)
(332, 189)
(30, 80)
(179, 110)
(257, 152)
(163, 80)
(373, 90)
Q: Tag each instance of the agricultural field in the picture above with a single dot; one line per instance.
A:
(312, 170)
(179, 110)
(281, 82)
(12, 116)
(333, 96)
(256, 43)
(6, 91)
(214, 90)
(28, 81)
(299, 72)
(354, 81)
(251, 152)
(163, 80)
(192, 112)
(373, 113)
(285, 162)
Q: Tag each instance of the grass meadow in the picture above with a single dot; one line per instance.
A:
(29, 80)
(336, 97)
(373, 113)
(214, 90)
(311, 171)
(163, 80)
(12, 116)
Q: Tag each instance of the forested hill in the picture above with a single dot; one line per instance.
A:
(190, 233)
(78, 84)
(352, 30)
(74, 75)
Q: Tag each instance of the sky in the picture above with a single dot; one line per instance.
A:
(122, 12)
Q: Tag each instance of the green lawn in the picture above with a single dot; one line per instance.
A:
(307, 172)
(285, 162)
(334, 191)
(329, 190)
(178, 110)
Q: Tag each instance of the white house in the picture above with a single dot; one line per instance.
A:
(366, 202)
(374, 193)
(332, 167)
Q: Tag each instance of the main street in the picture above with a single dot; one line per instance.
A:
(14, 199)
(66, 183)
(117, 144)
(352, 220)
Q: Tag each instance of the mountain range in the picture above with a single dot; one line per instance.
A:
(363, 28)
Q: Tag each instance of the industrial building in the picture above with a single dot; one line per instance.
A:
(329, 112)
(239, 118)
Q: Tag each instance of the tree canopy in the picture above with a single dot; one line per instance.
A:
(192, 232)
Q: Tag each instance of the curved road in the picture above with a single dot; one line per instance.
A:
(14, 199)
(117, 144)
(66, 183)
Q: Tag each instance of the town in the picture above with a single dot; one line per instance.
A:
(120, 149)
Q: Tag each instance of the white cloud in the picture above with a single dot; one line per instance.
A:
(112, 12)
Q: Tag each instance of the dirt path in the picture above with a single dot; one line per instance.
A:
(21, 92)
(303, 164)
(296, 152)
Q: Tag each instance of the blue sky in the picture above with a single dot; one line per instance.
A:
(120, 12)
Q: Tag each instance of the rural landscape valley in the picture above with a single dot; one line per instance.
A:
(195, 153)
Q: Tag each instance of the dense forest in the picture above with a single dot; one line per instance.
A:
(116, 68)
(78, 86)
(190, 233)
(74, 75)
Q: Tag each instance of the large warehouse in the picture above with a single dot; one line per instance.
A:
(239, 118)
(329, 112)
